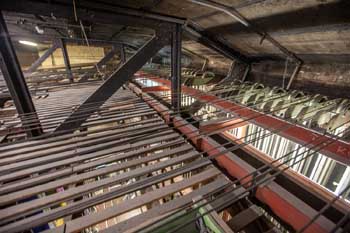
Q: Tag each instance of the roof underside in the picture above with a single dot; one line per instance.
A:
(313, 29)
(316, 30)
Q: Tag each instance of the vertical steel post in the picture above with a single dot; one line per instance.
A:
(176, 68)
(16, 84)
(66, 60)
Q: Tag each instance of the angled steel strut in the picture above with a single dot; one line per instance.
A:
(115, 81)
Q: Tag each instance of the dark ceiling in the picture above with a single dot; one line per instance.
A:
(316, 30)
(305, 27)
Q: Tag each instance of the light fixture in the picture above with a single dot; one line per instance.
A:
(28, 43)
(39, 30)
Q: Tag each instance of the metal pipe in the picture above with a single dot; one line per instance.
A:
(237, 16)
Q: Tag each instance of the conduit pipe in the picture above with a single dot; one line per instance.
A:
(264, 35)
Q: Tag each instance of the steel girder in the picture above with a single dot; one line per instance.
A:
(16, 83)
(115, 81)
(335, 149)
(284, 204)
(105, 13)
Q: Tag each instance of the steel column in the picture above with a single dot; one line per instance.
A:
(41, 59)
(176, 68)
(115, 81)
(66, 60)
(16, 84)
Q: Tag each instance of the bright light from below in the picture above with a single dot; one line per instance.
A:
(28, 43)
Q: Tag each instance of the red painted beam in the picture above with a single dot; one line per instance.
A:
(299, 179)
(155, 89)
(338, 150)
(289, 208)
(221, 125)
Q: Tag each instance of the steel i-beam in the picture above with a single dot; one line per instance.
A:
(16, 83)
